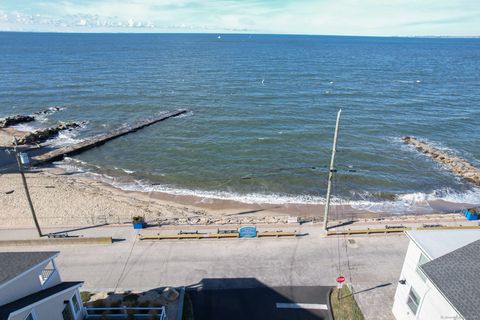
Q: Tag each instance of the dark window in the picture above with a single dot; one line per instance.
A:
(76, 307)
(67, 312)
(29, 317)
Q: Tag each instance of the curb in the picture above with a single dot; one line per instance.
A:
(181, 299)
(56, 241)
(329, 302)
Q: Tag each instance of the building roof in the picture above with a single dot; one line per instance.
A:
(456, 276)
(7, 309)
(436, 243)
(13, 264)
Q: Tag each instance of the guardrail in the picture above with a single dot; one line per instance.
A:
(123, 313)
(395, 230)
(230, 235)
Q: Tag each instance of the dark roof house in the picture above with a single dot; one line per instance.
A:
(31, 288)
(456, 275)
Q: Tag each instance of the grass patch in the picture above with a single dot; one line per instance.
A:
(85, 296)
(187, 308)
(346, 307)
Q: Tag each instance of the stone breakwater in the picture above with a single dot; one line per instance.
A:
(17, 119)
(13, 120)
(42, 135)
(457, 165)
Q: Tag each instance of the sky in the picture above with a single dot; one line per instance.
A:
(322, 17)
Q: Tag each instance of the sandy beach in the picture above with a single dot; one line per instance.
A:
(60, 199)
(64, 199)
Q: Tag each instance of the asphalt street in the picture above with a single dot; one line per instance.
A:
(371, 264)
(261, 302)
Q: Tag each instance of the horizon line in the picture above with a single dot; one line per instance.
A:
(246, 33)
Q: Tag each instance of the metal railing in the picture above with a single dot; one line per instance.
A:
(123, 313)
(45, 275)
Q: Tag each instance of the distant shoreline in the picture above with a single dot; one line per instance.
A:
(144, 32)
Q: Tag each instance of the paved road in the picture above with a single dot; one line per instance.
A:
(280, 303)
(375, 262)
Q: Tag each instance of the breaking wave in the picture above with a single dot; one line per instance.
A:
(417, 202)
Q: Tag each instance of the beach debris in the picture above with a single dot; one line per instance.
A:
(457, 165)
(42, 135)
(13, 120)
(9, 191)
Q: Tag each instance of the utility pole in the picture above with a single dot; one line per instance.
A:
(20, 168)
(331, 172)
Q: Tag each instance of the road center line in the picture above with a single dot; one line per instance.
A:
(316, 306)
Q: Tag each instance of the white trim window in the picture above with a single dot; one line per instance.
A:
(422, 260)
(47, 272)
(75, 304)
(413, 300)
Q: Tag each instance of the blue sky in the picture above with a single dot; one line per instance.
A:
(329, 17)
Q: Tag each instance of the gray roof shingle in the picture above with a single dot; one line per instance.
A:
(13, 264)
(457, 276)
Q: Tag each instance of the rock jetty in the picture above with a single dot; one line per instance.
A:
(16, 119)
(42, 135)
(13, 120)
(457, 165)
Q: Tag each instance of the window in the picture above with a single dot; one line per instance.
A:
(67, 312)
(422, 260)
(47, 272)
(76, 306)
(413, 300)
(29, 317)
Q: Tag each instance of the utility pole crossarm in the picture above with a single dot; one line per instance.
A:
(331, 171)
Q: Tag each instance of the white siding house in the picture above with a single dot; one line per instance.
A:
(31, 288)
(420, 293)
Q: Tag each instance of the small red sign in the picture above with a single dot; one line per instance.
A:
(341, 279)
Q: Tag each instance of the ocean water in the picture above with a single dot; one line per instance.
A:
(261, 114)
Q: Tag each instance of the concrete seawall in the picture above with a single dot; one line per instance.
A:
(92, 142)
(457, 165)
(57, 241)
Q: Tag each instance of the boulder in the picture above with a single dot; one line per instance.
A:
(42, 135)
(13, 120)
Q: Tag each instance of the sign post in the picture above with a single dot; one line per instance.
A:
(340, 280)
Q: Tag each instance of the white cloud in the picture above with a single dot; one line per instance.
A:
(368, 17)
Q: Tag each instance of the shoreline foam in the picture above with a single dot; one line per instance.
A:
(408, 203)
(61, 198)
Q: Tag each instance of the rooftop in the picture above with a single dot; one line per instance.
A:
(7, 309)
(436, 243)
(13, 264)
(456, 276)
